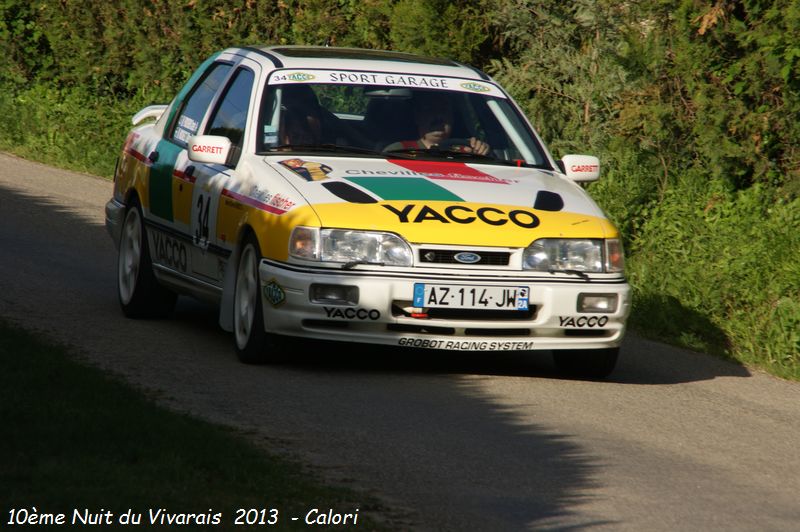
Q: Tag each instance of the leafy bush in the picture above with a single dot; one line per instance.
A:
(726, 256)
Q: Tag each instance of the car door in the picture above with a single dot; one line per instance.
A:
(171, 182)
(228, 118)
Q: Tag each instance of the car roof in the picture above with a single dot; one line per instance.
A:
(333, 58)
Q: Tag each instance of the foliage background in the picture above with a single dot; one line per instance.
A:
(692, 106)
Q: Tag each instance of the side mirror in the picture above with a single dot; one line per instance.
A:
(212, 149)
(580, 168)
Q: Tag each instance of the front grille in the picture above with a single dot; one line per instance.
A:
(447, 256)
(421, 329)
(589, 333)
(480, 314)
(497, 332)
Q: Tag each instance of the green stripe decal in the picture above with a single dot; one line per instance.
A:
(161, 180)
(404, 188)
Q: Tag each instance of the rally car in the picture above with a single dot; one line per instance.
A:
(365, 196)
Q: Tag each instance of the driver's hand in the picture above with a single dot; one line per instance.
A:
(478, 146)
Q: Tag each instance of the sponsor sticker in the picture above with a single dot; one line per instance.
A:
(447, 171)
(274, 293)
(461, 214)
(273, 204)
(350, 313)
(170, 252)
(387, 79)
(270, 135)
(583, 321)
(465, 345)
(308, 170)
(475, 87)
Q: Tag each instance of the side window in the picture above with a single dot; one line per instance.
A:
(230, 117)
(196, 104)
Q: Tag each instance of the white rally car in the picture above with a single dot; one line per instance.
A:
(365, 196)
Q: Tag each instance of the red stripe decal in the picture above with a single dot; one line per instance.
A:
(183, 176)
(448, 171)
(252, 202)
(138, 156)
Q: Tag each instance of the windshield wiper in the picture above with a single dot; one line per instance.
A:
(332, 148)
(438, 152)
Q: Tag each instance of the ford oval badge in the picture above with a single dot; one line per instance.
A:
(467, 257)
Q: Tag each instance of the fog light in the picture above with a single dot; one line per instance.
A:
(602, 303)
(334, 294)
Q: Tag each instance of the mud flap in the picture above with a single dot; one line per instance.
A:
(228, 286)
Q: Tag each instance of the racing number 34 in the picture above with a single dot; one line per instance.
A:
(201, 233)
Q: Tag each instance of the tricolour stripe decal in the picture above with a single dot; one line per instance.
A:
(448, 171)
(404, 188)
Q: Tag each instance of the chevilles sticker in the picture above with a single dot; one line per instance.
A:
(386, 79)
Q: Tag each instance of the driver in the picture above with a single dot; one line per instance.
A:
(433, 115)
(299, 125)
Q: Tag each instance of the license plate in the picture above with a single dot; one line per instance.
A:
(477, 297)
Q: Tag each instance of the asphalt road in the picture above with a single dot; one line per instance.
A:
(674, 441)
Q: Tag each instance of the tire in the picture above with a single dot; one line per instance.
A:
(587, 363)
(253, 344)
(140, 294)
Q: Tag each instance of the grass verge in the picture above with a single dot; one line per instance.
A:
(79, 440)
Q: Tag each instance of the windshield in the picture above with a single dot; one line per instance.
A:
(420, 117)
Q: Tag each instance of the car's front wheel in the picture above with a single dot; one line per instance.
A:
(587, 363)
(140, 294)
(253, 344)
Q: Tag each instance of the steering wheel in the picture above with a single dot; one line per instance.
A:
(460, 145)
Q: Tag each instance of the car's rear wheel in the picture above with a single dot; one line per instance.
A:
(587, 363)
(253, 344)
(140, 294)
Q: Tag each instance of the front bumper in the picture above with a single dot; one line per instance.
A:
(381, 315)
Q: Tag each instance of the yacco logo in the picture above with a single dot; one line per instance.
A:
(461, 214)
(170, 252)
(274, 293)
(350, 313)
(467, 257)
(476, 87)
(300, 76)
(582, 321)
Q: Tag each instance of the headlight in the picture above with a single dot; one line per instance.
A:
(345, 245)
(559, 254)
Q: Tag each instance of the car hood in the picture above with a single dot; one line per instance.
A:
(443, 202)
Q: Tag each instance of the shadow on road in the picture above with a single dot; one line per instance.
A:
(404, 422)
(641, 361)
